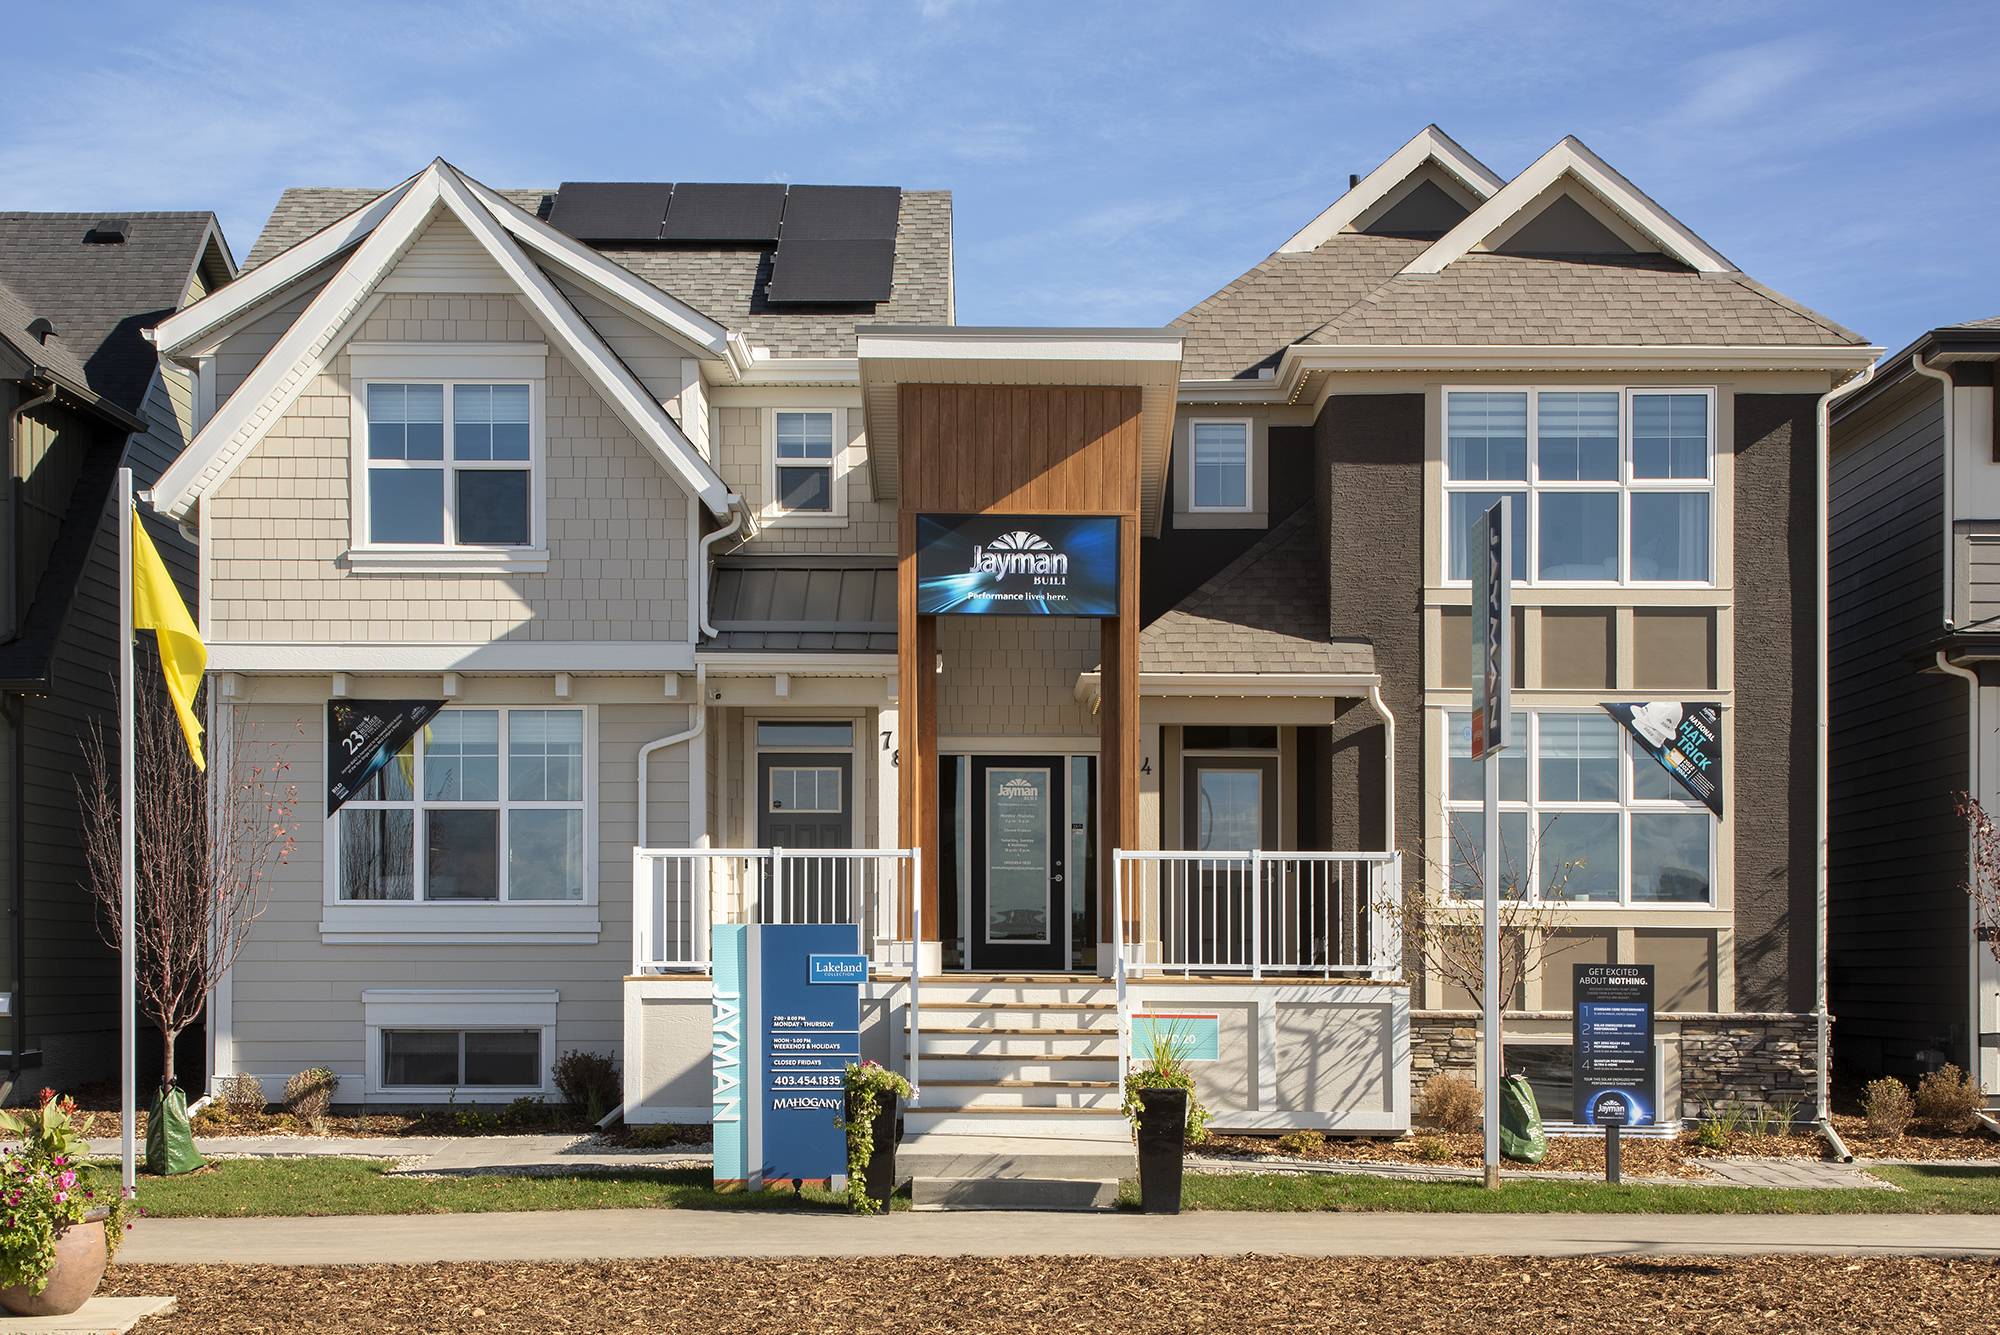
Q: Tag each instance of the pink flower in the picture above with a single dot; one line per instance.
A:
(61, 1197)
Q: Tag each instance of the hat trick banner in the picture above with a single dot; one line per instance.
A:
(1685, 736)
(364, 735)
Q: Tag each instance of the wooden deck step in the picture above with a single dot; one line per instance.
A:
(995, 1031)
(1009, 1083)
(1022, 1057)
(940, 1109)
(1020, 1005)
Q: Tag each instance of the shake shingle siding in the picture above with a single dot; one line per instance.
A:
(1898, 917)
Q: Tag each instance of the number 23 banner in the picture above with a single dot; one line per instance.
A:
(364, 735)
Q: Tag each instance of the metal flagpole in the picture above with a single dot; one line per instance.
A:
(128, 955)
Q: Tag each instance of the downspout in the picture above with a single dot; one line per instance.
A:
(1388, 765)
(17, 712)
(13, 443)
(688, 734)
(708, 544)
(1923, 368)
(1822, 732)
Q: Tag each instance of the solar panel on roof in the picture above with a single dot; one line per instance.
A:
(724, 213)
(841, 212)
(611, 210)
(832, 272)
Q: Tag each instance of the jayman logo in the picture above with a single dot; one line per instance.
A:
(1019, 553)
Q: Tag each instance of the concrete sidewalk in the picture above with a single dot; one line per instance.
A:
(561, 1152)
(581, 1235)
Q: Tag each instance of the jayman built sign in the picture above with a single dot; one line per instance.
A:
(1017, 565)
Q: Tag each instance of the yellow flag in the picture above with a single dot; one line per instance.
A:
(157, 606)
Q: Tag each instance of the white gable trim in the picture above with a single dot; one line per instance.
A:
(610, 376)
(672, 317)
(1430, 145)
(1570, 158)
(185, 327)
(321, 330)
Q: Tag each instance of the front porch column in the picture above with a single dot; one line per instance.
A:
(1118, 725)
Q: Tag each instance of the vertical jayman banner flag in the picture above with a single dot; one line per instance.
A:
(363, 735)
(1685, 736)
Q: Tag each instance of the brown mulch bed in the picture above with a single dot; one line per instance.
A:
(1919, 1143)
(1101, 1296)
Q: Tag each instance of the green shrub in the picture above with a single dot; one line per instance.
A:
(1432, 1150)
(1889, 1107)
(1304, 1144)
(589, 1082)
(309, 1094)
(1949, 1100)
(241, 1096)
(1451, 1102)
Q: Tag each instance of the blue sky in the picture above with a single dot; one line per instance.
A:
(1111, 164)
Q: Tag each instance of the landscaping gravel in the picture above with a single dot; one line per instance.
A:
(1101, 1296)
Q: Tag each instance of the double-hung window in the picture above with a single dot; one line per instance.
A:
(804, 462)
(1218, 465)
(1606, 486)
(485, 805)
(1587, 818)
(450, 464)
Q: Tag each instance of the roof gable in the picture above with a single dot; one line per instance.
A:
(1571, 161)
(1564, 226)
(1462, 173)
(332, 315)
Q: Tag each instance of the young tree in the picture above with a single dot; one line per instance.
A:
(206, 845)
(1983, 881)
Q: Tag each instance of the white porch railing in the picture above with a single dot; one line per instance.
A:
(679, 893)
(1256, 913)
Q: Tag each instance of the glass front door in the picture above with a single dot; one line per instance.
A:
(1019, 895)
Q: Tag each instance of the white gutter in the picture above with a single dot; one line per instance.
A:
(729, 530)
(1921, 367)
(697, 789)
(1388, 766)
(1974, 784)
(1823, 470)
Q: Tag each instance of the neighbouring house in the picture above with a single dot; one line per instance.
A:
(1915, 534)
(82, 393)
(685, 563)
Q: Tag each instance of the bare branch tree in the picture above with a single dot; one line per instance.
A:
(206, 847)
(1983, 882)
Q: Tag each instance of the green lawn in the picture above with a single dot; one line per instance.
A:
(326, 1186)
(1924, 1191)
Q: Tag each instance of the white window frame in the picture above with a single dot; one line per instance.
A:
(1627, 805)
(1528, 526)
(504, 915)
(775, 514)
(455, 1010)
(1249, 465)
(449, 365)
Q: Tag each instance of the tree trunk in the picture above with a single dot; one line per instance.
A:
(167, 1057)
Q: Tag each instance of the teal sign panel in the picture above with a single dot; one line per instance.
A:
(1197, 1036)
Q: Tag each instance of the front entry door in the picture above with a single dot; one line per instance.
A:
(1229, 805)
(805, 802)
(1020, 900)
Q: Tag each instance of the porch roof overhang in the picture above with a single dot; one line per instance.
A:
(1149, 360)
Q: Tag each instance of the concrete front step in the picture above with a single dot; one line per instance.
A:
(1028, 1096)
(996, 1068)
(1013, 1193)
(1075, 1125)
(968, 1041)
(961, 1015)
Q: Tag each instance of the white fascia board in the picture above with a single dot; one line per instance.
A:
(1019, 345)
(1430, 145)
(764, 370)
(1246, 685)
(1571, 158)
(1302, 359)
(1263, 389)
(803, 663)
(319, 658)
(185, 327)
(609, 375)
(277, 380)
(699, 333)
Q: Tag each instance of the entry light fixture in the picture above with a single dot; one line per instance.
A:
(940, 663)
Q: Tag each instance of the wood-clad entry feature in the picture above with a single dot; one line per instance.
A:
(1032, 450)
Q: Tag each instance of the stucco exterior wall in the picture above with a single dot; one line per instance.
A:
(279, 528)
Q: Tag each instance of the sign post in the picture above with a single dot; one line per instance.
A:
(1492, 555)
(1612, 1073)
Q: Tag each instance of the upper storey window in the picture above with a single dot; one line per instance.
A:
(803, 462)
(1608, 486)
(1220, 465)
(450, 463)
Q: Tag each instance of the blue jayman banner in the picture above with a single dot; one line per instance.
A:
(786, 1025)
(1017, 565)
(1685, 736)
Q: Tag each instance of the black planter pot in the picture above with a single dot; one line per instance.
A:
(880, 1179)
(1162, 1140)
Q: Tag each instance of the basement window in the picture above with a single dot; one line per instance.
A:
(462, 1058)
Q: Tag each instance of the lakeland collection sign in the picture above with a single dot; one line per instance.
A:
(1017, 565)
(785, 1025)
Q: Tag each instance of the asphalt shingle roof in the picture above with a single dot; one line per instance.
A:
(1250, 321)
(1266, 611)
(726, 283)
(1992, 322)
(99, 297)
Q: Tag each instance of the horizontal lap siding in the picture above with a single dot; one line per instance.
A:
(616, 520)
(1897, 943)
(297, 1002)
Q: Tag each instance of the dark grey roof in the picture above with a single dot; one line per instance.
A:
(726, 283)
(1266, 611)
(829, 604)
(99, 297)
(1992, 322)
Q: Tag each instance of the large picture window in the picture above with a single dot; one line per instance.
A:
(1607, 486)
(1586, 817)
(450, 463)
(485, 805)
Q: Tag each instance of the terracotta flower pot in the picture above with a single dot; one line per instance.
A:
(78, 1269)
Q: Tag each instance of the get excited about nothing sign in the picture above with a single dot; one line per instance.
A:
(1017, 565)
